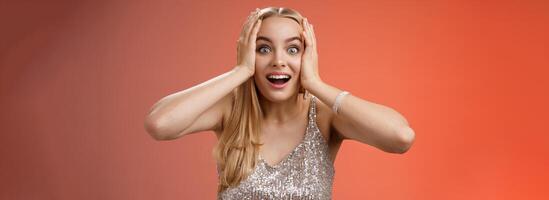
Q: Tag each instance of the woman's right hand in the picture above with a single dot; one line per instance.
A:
(246, 43)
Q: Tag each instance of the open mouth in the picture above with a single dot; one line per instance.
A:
(279, 79)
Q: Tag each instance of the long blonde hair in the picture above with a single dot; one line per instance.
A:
(237, 149)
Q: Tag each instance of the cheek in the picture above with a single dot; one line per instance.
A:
(261, 62)
(295, 63)
(260, 68)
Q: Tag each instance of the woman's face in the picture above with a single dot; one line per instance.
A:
(279, 48)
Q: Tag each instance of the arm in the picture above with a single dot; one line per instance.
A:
(358, 119)
(366, 122)
(198, 108)
(201, 107)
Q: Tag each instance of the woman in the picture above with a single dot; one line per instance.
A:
(275, 141)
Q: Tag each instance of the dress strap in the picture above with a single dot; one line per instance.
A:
(312, 110)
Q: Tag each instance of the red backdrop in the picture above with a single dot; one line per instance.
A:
(78, 77)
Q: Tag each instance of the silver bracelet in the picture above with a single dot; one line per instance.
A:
(337, 102)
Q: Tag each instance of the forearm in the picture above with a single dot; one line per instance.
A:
(357, 109)
(178, 110)
(371, 122)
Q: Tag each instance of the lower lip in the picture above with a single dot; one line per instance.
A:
(279, 86)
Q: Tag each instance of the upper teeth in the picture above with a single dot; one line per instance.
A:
(278, 76)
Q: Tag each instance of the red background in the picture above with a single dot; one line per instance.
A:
(78, 77)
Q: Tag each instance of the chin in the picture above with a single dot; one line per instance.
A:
(277, 94)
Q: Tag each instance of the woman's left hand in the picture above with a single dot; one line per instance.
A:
(309, 59)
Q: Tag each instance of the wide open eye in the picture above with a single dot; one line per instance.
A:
(293, 50)
(264, 49)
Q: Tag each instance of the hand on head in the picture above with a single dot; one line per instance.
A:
(246, 42)
(309, 60)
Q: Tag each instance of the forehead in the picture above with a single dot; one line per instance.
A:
(279, 28)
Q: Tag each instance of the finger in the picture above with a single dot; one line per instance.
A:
(247, 24)
(249, 33)
(253, 36)
(314, 36)
(315, 47)
(310, 35)
(306, 34)
(252, 25)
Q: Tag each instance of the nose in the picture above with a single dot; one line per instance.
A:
(279, 60)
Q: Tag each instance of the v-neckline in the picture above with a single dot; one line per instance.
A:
(299, 146)
(289, 155)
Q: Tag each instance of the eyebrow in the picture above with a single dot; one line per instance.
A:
(287, 40)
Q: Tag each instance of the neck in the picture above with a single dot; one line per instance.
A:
(283, 111)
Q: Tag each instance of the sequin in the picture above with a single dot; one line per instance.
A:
(306, 173)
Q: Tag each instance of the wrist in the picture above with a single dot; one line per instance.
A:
(244, 70)
(309, 84)
(337, 101)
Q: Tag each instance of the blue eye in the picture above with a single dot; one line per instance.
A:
(263, 49)
(293, 50)
(266, 49)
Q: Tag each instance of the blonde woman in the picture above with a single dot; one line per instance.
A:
(279, 126)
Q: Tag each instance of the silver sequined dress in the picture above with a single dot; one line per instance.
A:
(306, 173)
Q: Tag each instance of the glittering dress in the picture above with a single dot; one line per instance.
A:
(306, 173)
